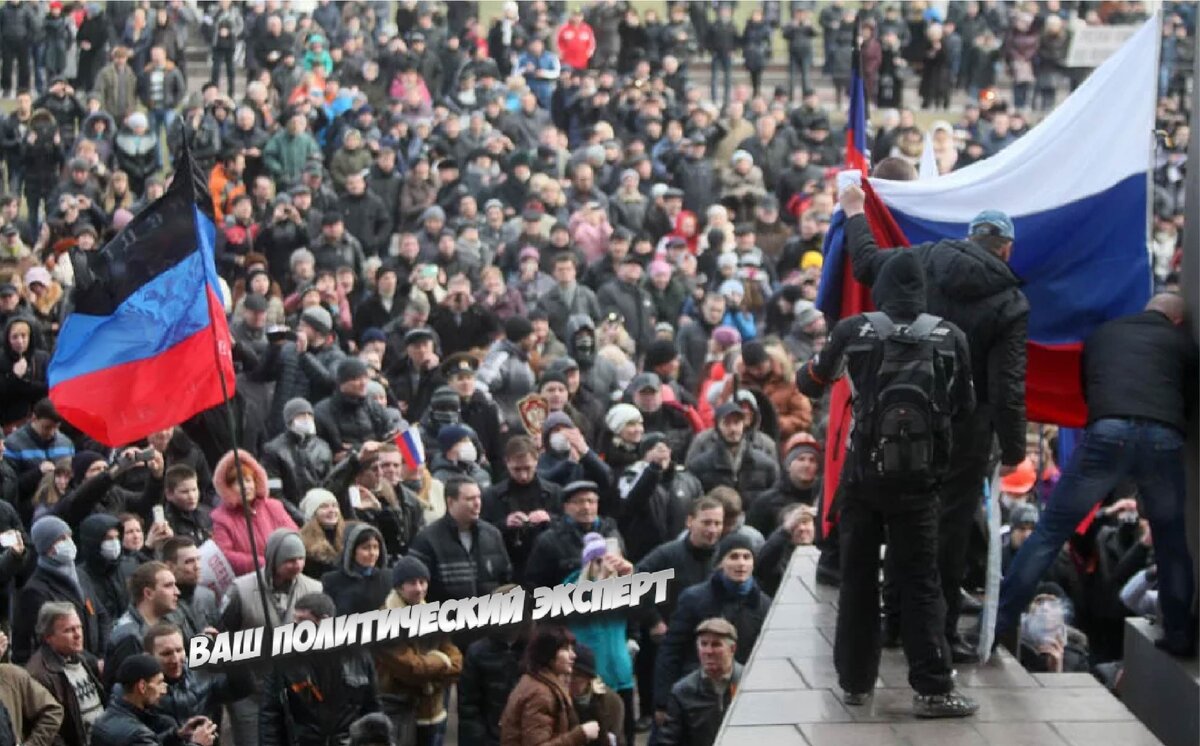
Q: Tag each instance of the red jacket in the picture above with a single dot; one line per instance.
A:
(576, 45)
(229, 525)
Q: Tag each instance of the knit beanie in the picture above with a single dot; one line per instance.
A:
(291, 547)
(351, 369)
(46, 531)
(408, 568)
(294, 408)
(594, 547)
(621, 415)
(314, 500)
(451, 435)
(735, 540)
(81, 462)
(660, 351)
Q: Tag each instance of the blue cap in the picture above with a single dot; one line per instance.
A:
(1001, 222)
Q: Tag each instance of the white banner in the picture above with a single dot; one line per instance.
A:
(215, 570)
(1092, 45)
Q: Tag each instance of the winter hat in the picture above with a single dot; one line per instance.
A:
(620, 416)
(585, 660)
(1023, 516)
(451, 435)
(318, 318)
(726, 336)
(314, 500)
(137, 119)
(812, 259)
(81, 462)
(408, 568)
(798, 444)
(659, 267)
(806, 312)
(137, 668)
(594, 547)
(46, 531)
(291, 547)
(517, 328)
(732, 287)
(433, 212)
(296, 407)
(735, 540)
(38, 275)
(727, 259)
(649, 440)
(740, 155)
(351, 369)
(1021, 480)
(660, 351)
(372, 730)
(900, 284)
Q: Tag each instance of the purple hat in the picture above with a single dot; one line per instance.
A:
(594, 547)
(726, 336)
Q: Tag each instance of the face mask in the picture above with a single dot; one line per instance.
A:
(467, 452)
(110, 549)
(304, 427)
(559, 443)
(64, 552)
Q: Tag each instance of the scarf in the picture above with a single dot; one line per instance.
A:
(739, 589)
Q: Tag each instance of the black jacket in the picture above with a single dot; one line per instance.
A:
(634, 304)
(491, 668)
(351, 591)
(344, 421)
(193, 695)
(323, 693)
(455, 572)
(369, 220)
(695, 710)
(558, 551)
(299, 463)
(677, 654)
(308, 375)
(122, 724)
(413, 388)
(750, 471)
(692, 565)
(507, 497)
(764, 513)
(108, 578)
(475, 328)
(1146, 348)
(45, 586)
(654, 505)
(976, 291)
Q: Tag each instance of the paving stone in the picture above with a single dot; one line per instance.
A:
(1019, 734)
(943, 733)
(1066, 705)
(851, 734)
(765, 735)
(1066, 680)
(886, 706)
(771, 674)
(793, 642)
(819, 672)
(786, 708)
(1106, 734)
(1001, 671)
(802, 616)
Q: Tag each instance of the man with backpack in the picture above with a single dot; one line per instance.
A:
(910, 373)
(970, 285)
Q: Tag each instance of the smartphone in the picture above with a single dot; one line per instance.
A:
(8, 539)
(355, 498)
(158, 515)
(612, 546)
(145, 455)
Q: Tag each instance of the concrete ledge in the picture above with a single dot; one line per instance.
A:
(1161, 690)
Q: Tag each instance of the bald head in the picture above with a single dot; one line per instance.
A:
(1169, 305)
(894, 169)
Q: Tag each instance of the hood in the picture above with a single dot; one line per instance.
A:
(274, 542)
(34, 337)
(575, 323)
(355, 534)
(91, 533)
(91, 119)
(230, 495)
(553, 420)
(965, 271)
(42, 119)
(899, 288)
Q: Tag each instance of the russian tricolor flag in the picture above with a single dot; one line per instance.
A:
(412, 449)
(140, 350)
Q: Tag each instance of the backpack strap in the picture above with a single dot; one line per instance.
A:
(882, 324)
(923, 326)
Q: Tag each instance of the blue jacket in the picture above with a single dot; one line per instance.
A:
(605, 634)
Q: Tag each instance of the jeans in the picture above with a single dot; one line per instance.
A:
(161, 119)
(913, 533)
(1112, 449)
(222, 57)
(724, 64)
(801, 64)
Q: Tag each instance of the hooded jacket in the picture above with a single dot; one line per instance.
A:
(977, 292)
(229, 526)
(108, 578)
(355, 589)
(299, 463)
(18, 394)
(244, 607)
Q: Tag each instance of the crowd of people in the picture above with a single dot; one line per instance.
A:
(590, 281)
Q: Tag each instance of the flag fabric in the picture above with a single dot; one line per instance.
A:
(139, 351)
(412, 449)
(1077, 188)
(929, 167)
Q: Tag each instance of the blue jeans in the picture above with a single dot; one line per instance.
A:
(722, 63)
(1112, 449)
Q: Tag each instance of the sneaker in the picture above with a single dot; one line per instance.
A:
(948, 705)
(856, 699)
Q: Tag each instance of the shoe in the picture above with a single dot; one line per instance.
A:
(963, 652)
(856, 699)
(948, 705)
(890, 633)
(643, 724)
(969, 604)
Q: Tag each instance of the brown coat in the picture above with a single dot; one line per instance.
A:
(539, 713)
(35, 714)
(419, 670)
(607, 709)
(47, 669)
(793, 409)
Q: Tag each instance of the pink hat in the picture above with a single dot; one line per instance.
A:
(659, 267)
(121, 218)
(726, 336)
(38, 274)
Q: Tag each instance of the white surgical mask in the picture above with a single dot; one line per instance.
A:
(64, 552)
(559, 443)
(304, 426)
(110, 549)
(467, 452)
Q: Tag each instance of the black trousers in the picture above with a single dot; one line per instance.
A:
(961, 495)
(912, 526)
(17, 54)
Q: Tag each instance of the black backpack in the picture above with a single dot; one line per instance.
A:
(902, 428)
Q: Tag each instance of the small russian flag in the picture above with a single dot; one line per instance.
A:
(411, 447)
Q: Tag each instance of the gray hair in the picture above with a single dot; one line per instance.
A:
(49, 615)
